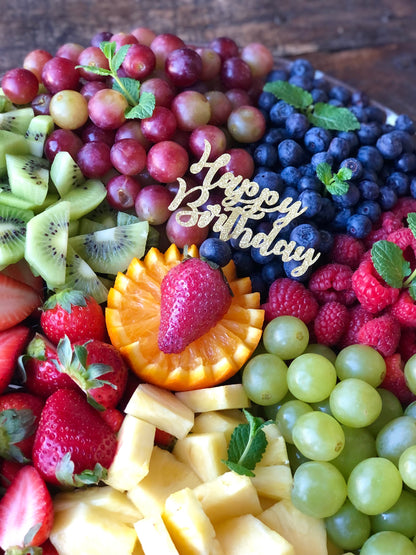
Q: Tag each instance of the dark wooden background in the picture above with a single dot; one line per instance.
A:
(371, 44)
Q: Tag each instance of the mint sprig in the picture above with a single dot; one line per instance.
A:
(247, 445)
(335, 183)
(320, 114)
(141, 104)
(391, 265)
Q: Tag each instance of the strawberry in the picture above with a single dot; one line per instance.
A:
(20, 271)
(163, 439)
(8, 471)
(18, 301)
(72, 439)
(194, 297)
(73, 314)
(19, 417)
(12, 344)
(113, 417)
(26, 511)
(42, 375)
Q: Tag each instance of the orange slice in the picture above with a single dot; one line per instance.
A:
(133, 317)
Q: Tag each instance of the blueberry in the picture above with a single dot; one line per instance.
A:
(369, 189)
(339, 223)
(302, 67)
(387, 198)
(341, 93)
(296, 125)
(321, 82)
(309, 182)
(369, 208)
(265, 155)
(266, 100)
(290, 175)
(354, 165)
(351, 137)
(360, 113)
(307, 170)
(339, 148)
(389, 145)
(272, 270)
(280, 112)
(320, 158)
(412, 187)
(369, 133)
(259, 258)
(404, 123)
(335, 102)
(406, 139)
(326, 241)
(350, 198)
(290, 153)
(289, 192)
(216, 251)
(312, 201)
(270, 180)
(291, 265)
(235, 245)
(319, 95)
(306, 235)
(374, 113)
(399, 182)
(274, 135)
(303, 81)
(360, 98)
(243, 263)
(317, 139)
(370, 157)
(358, 226)
(327, 211)
(277, 75)
(406, 162)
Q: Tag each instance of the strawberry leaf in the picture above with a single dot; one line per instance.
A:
(64, 472)
(66, 299)
(15, 426)
(390, 263)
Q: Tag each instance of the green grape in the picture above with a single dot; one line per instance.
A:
(390, 408)
(322, 406)
(359, 445)
(324, 350)
(286, 337)
(401, 517)
(319, 490)
(348, 528)
(361, 361)
(388, 543)
(311, 377)
(355, 403)
(374, 485)
(318, 436)
(288, 415)
(270, 411)
(395, 437)
(407, 466)
(295, 457)
(264, 379)
(410, 410)
(410, 373)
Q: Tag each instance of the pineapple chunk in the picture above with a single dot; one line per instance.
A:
(105, 498)
(221, 397)
(187, 524)
(227, 496)
(216, 421)
(134, 449)
(84, 528)
(307, 534)
(166, 475)
(276, 452)
(203, 453)
(154, 537)
(274, 481)
(162, 409)
(246, 535)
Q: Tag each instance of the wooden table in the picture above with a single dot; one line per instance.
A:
(371, 44)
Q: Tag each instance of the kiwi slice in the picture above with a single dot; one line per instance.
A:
(11, 143)
(65, 173)
(109, 251)
(124, 218)
(6, 105)
(13, 223)
(9, 199)
(16, 121)
(104, 214)
(28, 176)
(85, 197)
(47, 242)
(86, 225)
(37, 132)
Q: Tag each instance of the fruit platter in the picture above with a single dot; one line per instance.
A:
(208, 305)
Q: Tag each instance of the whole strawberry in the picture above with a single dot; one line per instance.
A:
(72, 438)
(194, 297)
(73, 314)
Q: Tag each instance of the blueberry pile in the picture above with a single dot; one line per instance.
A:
(381, 156)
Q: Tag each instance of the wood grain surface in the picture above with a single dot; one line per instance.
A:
(370, 44)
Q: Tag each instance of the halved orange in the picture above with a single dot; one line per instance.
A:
(133, 317)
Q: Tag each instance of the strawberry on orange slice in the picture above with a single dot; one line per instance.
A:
(133, 320)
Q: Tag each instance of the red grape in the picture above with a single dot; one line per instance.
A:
(181, 235)
(259, 58)
(162, 45)
(94, 159)
(20, 85)
(236, 74)
(139, 62)
(166, 161)
(160, 126)
(106, 109)
(221, 107)
(241, 163)
(214, 135)
(246, 124)
(35, 60)
(191, 110)
(211, 63)
(70, 50)
(94, 57)
(59, 74)
(152, 204)
(128, 156)
(122, 191)
(62, 139)
(40, 104)
(121, 39)
(183, 66)
(144, 35)
(225, 47)
(163, 91)
(92, 133)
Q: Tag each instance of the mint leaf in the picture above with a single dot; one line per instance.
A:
(390, 263)
(144, 108)
(324, 173)
(108, 49)
(333, 117)
(118, 57)
(334, 183)
(344, 174)
(292, 94)
(411, 221)
(97, 70)
(337, 186)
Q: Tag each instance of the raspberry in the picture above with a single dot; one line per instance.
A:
(403, 207)
(388, 223)
(288, 297)
(394, 379)
(407, 344)
(405, 239)
(404, 309)
(330, 323)
(382, 333)
(358, 316)
(370, 289)
(332, 282)
(347, 250)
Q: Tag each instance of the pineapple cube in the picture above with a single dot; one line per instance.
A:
(187, 524)
(106, 498)
(203, 453)
(154, 537)
(227, 496)
(306, 533)
(84, 528)
(274, 481)
(134, 449)
(162, 409)
(166, 475)
(276, 452)
(246, 535)
(221, 397)
(219, 421)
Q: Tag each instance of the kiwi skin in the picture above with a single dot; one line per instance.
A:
(28, 177)
(13, 222)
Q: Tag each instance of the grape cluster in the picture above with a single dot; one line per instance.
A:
(350, 445)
